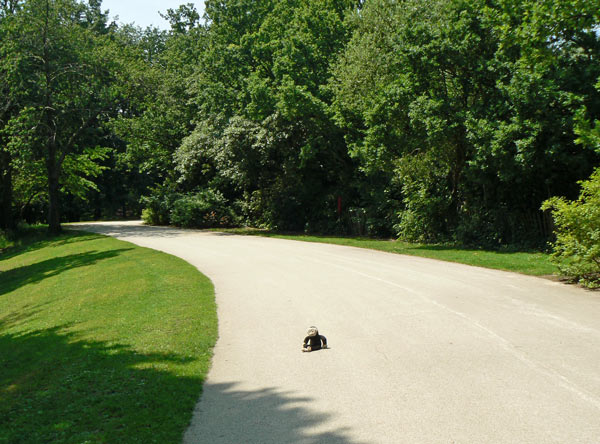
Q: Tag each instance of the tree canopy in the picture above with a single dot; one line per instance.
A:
(431, 120)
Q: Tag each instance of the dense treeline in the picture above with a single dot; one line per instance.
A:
(468, 110)
(433, 120)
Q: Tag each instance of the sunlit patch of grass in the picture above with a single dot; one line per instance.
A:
(526, 262)
(100, 341)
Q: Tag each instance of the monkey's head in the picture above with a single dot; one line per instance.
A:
(312, 331)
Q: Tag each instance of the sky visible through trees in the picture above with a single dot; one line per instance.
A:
(145, 13)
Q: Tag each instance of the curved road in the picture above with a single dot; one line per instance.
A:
(422, 351)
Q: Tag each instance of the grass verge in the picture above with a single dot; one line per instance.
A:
(530, 263)
(101, 341)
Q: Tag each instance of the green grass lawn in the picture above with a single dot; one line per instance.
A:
(101, 341)
(531, 263)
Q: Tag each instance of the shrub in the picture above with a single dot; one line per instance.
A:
(205, 209)
(427, 199)
(156, 211)
(577, 245)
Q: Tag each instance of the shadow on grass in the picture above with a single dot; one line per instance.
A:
(55, 387)
(39, 238)
(228, 414)
(26, 312)
(30, 274)
(470, 249)
(405, 245)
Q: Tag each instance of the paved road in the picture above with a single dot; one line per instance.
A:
(422, 351)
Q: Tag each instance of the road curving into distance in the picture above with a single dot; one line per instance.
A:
(422, 351)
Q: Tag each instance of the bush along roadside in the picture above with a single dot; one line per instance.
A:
(577, 245)
(201, 209)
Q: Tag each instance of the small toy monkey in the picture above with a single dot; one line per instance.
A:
(313, 340)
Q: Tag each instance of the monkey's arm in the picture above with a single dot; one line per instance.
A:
(324, 340)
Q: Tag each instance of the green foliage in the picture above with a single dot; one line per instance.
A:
(157, 206)
(426, 198)
(202, 209)
(406, 87)
(588, 132)
(155, 114)
(151, 215)
(577, 245)
(58, 65)
(81, 169)
(263, 134)
(464, 105)
(205, 209)
(433, 120)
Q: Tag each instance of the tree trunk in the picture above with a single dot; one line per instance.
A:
(53, 206)
(53, 193)
(456, 170)
(7, 220)
(52, 164)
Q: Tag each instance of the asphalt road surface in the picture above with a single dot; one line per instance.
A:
(422, 351)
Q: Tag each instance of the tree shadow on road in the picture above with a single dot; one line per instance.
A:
(117, 229)
(228, 414)
(56, 386)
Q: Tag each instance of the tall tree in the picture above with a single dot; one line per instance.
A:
(264, 128)
(62, 64)
(7, 109)
(157, 112)
(462, 105)
(412, 78)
